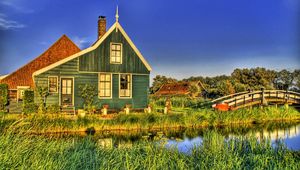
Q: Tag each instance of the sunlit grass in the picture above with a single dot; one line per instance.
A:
(177, 118)
(19, 151)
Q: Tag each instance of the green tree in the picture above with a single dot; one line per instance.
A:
(297, 78)
(254, 78)
(88, 93)
(284, 79)
(225, 87)
(42, 93)
(194, 89)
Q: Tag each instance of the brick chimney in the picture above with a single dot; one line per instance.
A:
(101, 26)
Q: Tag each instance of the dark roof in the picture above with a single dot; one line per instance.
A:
(179, 88)
(61, 49)
(174, 89)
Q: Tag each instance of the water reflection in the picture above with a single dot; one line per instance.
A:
(185, 139)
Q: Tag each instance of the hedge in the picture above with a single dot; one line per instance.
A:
(3, 95)
(28, 102)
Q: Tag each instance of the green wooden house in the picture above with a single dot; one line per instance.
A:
(113, 64)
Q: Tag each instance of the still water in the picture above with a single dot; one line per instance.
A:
(185, 139)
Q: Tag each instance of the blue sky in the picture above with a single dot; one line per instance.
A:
(178, 38)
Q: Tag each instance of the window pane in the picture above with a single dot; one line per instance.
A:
(52, 84)
(64, 90)
(108, 77)
(69, 91)
(101, 85)
(118, 53)
(113, 46)
(101, 92)
(118, 59)
(107, 85)
(107, 93)
(113, 59)
(64, 83)
(102, 77)
(115, 51)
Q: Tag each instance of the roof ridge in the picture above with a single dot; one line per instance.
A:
(64, 36)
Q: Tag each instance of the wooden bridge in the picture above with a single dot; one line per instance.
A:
(261, 97)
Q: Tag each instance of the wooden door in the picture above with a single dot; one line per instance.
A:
(67, 96)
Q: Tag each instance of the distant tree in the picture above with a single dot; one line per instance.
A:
(284, 79)
(194, 89)
(239, 87)
(225, 87)
(159, 80)
(254, 78)
(297, 78)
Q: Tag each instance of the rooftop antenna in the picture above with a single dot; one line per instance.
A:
(117, 14)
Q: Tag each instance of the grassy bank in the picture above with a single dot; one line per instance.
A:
(178, 118)
(19, 151)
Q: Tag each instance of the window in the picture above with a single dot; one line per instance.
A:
(105, 85)
(52, 82)
(125, 85)
(116, 53)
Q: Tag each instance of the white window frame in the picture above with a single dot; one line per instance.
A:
(56, 83)
(131, 82)
(111, 78)
(110, 53)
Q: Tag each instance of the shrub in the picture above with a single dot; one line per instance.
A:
(28, 102)
(28, 97)
(3, 95)
(30, 108)
(43, 93)
(88, 93)
(54, 109)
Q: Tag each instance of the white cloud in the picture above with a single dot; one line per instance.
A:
(43, 43)
(81, 42)
(6, 24)
(13, 4)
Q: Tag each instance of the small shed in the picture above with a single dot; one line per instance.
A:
(178, 89)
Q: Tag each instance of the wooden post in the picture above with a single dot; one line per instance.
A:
(262, 95)
(287, 95)
(263, 99)
(168, 106)
(235, 102)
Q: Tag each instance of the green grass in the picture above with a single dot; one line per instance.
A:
(178, 118)
(19, 151)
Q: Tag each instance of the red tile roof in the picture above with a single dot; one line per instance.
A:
(61, 49)
(174, 89)
(180, 88)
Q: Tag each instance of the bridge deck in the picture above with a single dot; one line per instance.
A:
(245, 99)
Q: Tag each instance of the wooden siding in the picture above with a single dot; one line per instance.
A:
(140, 88)
(99, 59)
(70, 69)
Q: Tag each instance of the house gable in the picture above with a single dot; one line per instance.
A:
(115, 27)
(98, 60)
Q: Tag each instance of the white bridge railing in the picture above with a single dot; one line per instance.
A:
(258, 97)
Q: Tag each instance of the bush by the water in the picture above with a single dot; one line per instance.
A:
(179, 118)
(180, 102)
